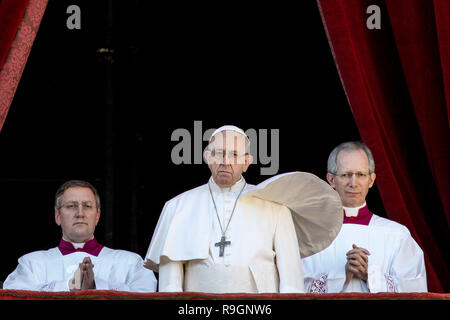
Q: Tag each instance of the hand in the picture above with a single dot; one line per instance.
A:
(357, 263)
(87, 274)
(83, 277)
(75, 282)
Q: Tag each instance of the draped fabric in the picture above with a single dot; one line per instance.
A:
(123, 295)
(19, 22)
(397, 82)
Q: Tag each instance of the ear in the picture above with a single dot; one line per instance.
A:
(98, 217)
(207, 156)
(248, 162)
(330, 179)
(57, 217)
(372, 179)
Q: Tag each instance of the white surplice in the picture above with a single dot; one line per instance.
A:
(50, 270)
(263, 255)
(396, 262)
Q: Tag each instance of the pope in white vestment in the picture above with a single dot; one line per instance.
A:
(259, 232)
(222, 237)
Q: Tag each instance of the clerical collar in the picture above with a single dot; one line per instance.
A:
(92, 247)
(234, 188)
(353, 212)
(358, 215)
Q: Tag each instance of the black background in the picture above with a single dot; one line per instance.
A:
(260, 66)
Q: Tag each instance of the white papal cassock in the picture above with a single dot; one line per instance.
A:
(396, 262)
(260, 258)
(50, 270)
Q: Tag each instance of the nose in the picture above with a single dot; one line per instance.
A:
(352, 181)
(226, 160)
(80, 212)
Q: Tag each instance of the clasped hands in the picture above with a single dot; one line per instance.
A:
(83, 279)
(357, 264)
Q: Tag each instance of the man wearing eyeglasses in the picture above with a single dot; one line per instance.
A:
(370, 253)
(211, 239)
(80, 262)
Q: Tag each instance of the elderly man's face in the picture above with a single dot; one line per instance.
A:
(227, 158)
(78, 215)
(352, 180)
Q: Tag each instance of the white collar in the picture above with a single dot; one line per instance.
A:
(77, 245)
(353, 212)
(234, 188)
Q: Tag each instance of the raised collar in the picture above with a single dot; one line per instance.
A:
(353, 212)
(362, 217)
(92, 247)
(233, 189)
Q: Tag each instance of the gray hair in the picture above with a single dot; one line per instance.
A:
(332, 166)
(75, 184)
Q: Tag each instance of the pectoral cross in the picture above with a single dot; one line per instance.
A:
(222, 243)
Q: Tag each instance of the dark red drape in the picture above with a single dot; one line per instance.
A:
(11, 13)
(19, 22)
(397, 82)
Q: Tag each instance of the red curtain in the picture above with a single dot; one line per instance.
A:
(19, 22)
(11, 13)
(397, 82)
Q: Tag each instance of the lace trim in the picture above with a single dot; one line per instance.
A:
(390, 283)
(320, 285)
(48, 286)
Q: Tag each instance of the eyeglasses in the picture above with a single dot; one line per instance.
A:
(348, 175)
(231, 156)
(73, 206)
